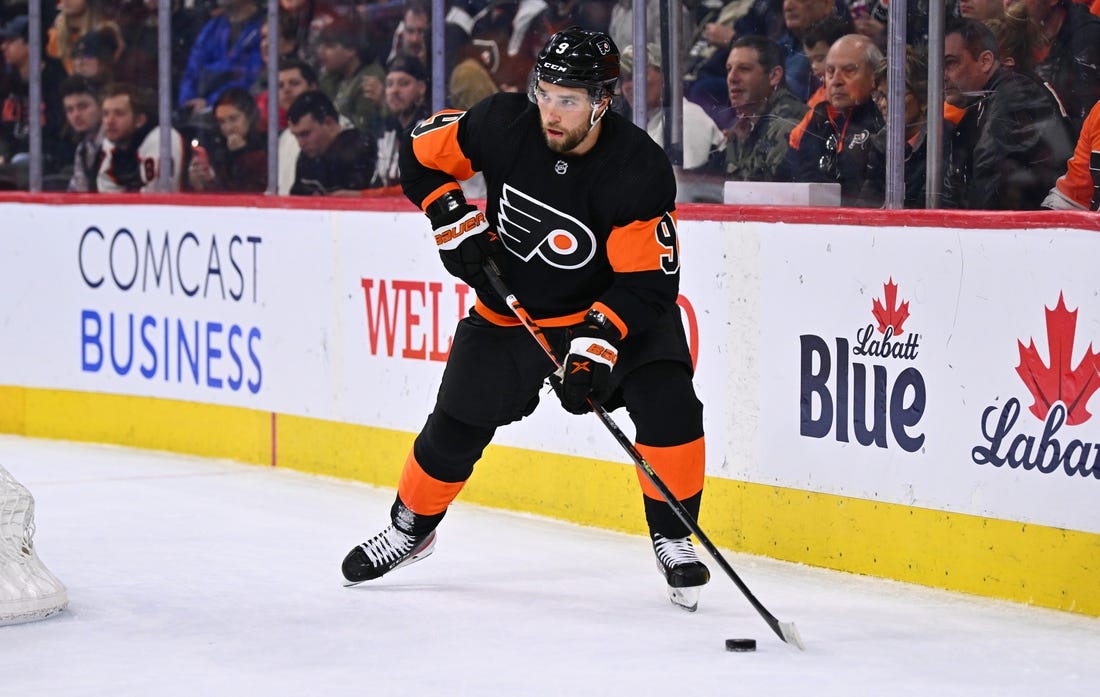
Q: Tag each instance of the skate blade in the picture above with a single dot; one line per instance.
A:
(686, 598)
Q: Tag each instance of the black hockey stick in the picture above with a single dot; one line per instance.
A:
(784, 630)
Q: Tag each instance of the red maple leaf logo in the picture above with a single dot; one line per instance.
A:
(890, 315)
(1058, 382)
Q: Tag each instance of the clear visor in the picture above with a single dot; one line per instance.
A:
(564, 102)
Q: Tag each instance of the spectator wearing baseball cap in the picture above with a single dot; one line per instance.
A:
(74, 21)
(701, 136)
(93, 56)
(17, 28)
(406, 91)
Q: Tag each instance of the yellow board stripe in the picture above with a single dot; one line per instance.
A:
(1035, 564)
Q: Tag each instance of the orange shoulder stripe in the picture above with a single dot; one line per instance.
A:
(635, 246)
(435, 144)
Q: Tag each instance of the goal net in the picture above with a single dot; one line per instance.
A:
(28, 591)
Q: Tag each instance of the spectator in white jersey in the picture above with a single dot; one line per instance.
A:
(131, 146)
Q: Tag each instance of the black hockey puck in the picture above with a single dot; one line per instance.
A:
(740, 644)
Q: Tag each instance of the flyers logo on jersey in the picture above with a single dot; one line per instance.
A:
(531, 228)
(451, 236)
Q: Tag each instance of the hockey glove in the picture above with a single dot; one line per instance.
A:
(465, 239)
(586, 372)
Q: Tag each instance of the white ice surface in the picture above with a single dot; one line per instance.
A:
(189, 576)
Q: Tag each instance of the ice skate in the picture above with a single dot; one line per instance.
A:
(388, 550)
(680, 565)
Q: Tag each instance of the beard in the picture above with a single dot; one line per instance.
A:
(569, 139)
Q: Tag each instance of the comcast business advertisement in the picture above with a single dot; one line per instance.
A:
(934, 368)
(175, 302)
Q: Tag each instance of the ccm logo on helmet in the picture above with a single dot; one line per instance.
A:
(553, 66)
(463, 226)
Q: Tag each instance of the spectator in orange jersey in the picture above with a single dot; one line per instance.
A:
(1079, 187)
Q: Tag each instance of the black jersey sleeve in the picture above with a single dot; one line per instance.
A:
(643, 248)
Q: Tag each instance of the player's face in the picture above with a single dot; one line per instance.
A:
(119, 120)
(566, 114)
(82, 112)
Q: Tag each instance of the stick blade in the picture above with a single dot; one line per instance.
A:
(789, 634)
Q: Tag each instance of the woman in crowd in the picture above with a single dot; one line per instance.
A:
(237, 161)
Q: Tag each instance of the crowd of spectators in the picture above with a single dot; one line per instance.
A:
(773, 90)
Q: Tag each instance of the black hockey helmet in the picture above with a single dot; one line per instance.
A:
(576, 57)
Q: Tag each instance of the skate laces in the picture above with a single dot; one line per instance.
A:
(388, 546)
(674, 551)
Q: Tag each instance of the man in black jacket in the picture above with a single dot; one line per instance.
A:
(1012, 142)
(334, 161)
(1072, 66)
(833, 142)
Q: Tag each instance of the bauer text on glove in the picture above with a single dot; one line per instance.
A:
(464, 238)
(586, 372)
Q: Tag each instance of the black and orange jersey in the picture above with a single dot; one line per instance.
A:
(1081, 182)
(598, 230)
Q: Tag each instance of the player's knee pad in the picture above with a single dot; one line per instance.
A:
(448, 448)
(662, 403)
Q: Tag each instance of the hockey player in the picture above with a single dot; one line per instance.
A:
(581, 221)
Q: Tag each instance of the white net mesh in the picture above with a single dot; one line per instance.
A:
(28, 591)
